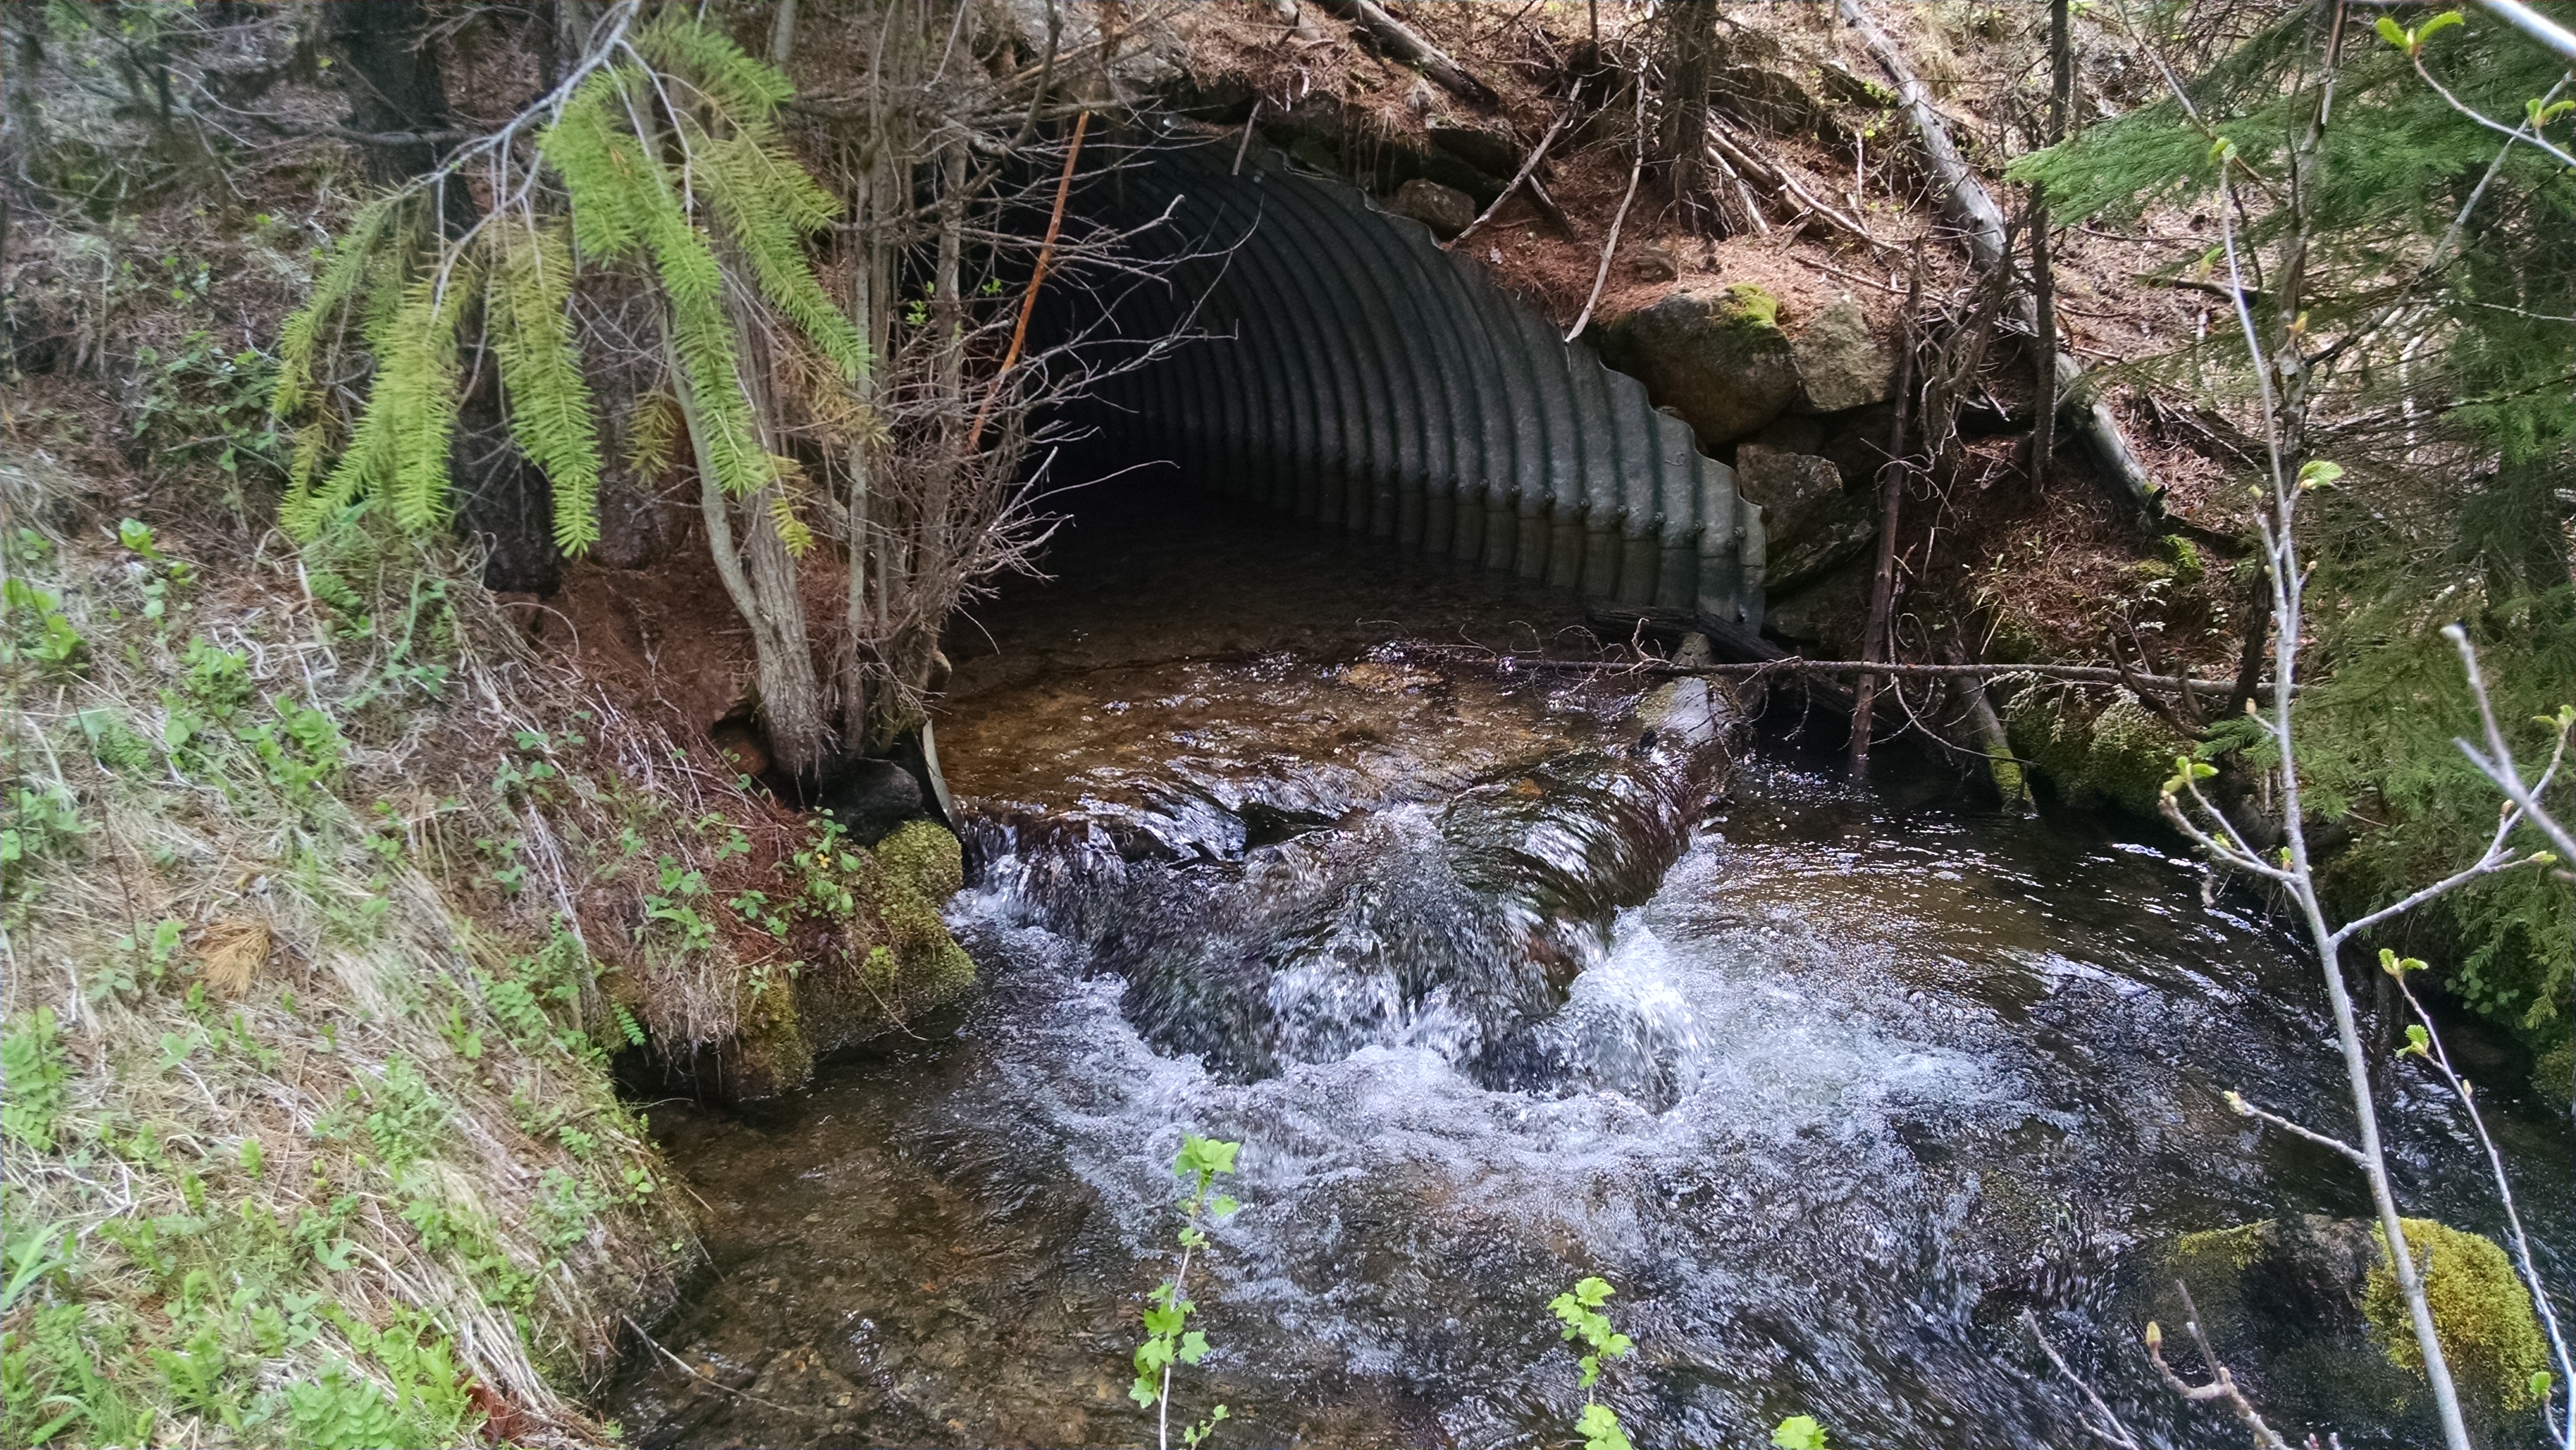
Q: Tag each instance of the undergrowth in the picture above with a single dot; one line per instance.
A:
(310, 1136)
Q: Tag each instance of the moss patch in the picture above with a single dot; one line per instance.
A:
(2481, 1311)
(1751, 308)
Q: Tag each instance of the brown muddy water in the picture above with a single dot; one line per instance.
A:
(1499, 984)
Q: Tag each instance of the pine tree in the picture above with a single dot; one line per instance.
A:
(670, 173)
(2434, 293)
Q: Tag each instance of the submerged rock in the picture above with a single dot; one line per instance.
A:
(1714, 355)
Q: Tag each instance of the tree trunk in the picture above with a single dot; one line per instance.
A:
(2043, 291)
(1874, 645)
(1971, 208)
(395, 84)
(764, 592)
(1689, 56)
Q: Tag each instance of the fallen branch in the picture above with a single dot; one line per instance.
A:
(1403, 43)
(1794, 665)
(2109, 1428)
(1037, 275)
(1742, 155)
(1527, 172)
(2221, 1386)
(1635, 171)
(1971, 208)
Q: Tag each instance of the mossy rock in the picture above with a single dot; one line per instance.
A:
(2306, 1314)
(2280, 1302)
(897, 960)
(769, 1054)
(2554, 1074)
(889, 964)
(923, 856)
(2121, 756)
(2481, 1311)
(1714, 355)
(2131, 755)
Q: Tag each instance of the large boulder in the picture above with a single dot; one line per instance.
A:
(1841, 362)
(1811, 520)
(1714, 355)
(2305, 1313)
(2121, 755)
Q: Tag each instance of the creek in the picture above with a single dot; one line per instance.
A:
(1499, 988)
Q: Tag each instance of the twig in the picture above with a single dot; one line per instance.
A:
(2243, 1108)
(694, 1373)
(2110, 1429)
(2222, 1385)
(2073, 674)
(1029, 299)
(1573, 103)
(1636, 170)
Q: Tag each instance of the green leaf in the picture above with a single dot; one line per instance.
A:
(1601, 1430)
(2418, 1041)
(1153, 1355)
(1222, 1206)
(1165, 1321)
(1194, 1347)
(1204, 1156)
(1592, 1292)
(2395, 34)
(1144, 1391)
(2317, 471)
(1800, 1432)
(2436, 26)
(2540, 1383)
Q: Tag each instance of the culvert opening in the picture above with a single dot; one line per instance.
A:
(1296, 348)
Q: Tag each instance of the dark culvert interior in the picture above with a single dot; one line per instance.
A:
(1322, 358)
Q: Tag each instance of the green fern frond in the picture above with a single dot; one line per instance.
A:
(550, 405)
(768, 205)
(652, 435)
(785, 494)
(746, 90)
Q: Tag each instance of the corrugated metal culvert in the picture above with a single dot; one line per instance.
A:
(1362, 376)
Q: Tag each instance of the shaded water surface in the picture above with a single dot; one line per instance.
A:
(1500, 984)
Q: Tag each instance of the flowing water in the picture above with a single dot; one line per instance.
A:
(1500, 982)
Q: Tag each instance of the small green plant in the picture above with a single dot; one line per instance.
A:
(1168, 1308)
(675, 901)
(1579, 1309)
(36, 629)
(1799, 1432)
(31, 1059)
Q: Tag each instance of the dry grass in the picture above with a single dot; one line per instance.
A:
(312, 1135)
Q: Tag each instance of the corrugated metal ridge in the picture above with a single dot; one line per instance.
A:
(1377, 382)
